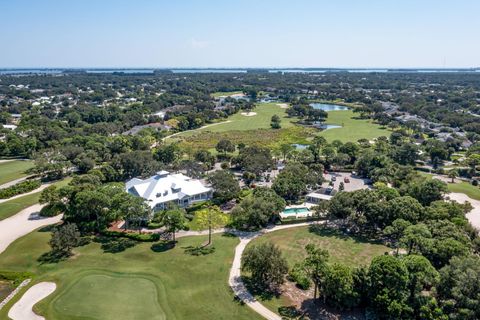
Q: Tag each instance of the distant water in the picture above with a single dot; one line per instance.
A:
(299, 146)
(328, 107)
(220, 70)
(330, 126)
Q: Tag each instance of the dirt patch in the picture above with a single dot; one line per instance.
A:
(6, 287)
(301, 303)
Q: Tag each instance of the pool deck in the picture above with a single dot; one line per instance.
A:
(298, 215)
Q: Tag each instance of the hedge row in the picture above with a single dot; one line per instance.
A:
(144, 237)
(19, 188)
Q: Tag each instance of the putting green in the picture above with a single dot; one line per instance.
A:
(110, 297)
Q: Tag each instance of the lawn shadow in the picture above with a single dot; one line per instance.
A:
(163, 246)
(258, 291)
(52, 257)
(114, 245)
(315, 309)
(49, 228)
(199, 250)
(290, 312)
(229, 235)
(325, 231)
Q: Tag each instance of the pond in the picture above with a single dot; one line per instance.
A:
(328, 107)
(299, 146)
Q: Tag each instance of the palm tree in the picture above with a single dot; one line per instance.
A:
(452, 174)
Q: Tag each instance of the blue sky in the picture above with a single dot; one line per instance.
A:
(236, 33)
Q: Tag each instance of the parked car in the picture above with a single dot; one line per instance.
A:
(334, 179)
(346, 180)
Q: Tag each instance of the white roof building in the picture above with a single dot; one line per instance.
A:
(165, 187)
(10, 126)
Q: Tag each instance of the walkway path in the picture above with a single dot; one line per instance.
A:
(13, 182)
(23, 223)
(474, 215)
(22, 309)
(235, 278)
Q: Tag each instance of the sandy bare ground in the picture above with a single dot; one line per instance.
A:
(23, 223)
(474, 215)
(248, 114)
(22, 309)
(283, 105)
(208, 125)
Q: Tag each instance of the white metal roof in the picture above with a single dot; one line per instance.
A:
(165, 187)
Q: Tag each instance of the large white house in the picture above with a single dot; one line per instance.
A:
(165, 187)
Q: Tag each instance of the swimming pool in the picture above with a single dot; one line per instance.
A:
(290, 211)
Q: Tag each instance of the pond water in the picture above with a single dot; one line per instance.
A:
(328, 107)
(330, 126)
(299, 146)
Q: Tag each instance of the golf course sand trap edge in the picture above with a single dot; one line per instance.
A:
(22, 309)
(283, 105)
(248, 114)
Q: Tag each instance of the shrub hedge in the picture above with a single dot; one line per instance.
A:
(144, 237)
(19, 188)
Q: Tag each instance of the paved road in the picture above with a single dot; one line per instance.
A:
(22, 224)
(474, 215)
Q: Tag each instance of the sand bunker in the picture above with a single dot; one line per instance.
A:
(282, 105)
(22, 309)
(248, 114)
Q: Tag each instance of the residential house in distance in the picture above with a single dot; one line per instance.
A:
(165, 187)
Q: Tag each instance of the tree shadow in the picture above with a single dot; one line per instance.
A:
(325, 231)
(115, 245)
(53, 257)
(199, 250)
(48, 228)
(163, 246)
(259, 291)
(289, 312)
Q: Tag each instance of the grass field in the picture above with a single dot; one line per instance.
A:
(240, 128)
(225, 94)
(11, 207)
(352, 129)
(460, 187)
(343, 249)
(14, 169)
(142, 282)
(239, 122)
(465, 187)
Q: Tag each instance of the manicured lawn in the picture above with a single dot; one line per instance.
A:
(352, 129)
(225, 94)
(138, 283)
(465, 187)
(261, 120)
(343, 249)
(14, 169)
(11, 207)
(460, 187)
